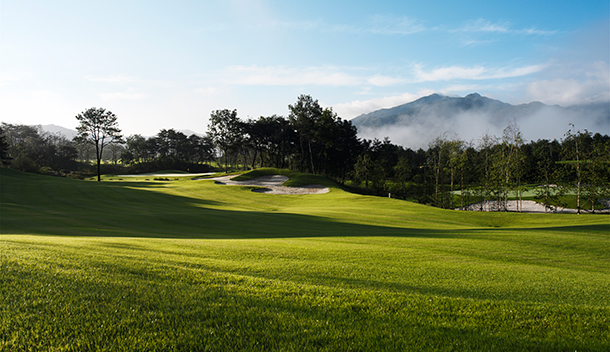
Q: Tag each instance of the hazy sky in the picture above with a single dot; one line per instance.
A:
(168, 64)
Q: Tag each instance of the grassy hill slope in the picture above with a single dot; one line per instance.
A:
(191, 265)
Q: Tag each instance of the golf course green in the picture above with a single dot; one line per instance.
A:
(137, 264)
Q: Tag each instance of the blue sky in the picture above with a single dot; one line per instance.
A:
(168, 64)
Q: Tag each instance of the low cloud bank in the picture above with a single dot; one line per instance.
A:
(548, 122)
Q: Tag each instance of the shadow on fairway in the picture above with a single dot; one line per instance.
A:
(40, 205)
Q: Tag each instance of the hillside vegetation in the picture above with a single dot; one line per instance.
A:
(182, 264)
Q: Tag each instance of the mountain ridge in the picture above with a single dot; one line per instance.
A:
(69, 133)
(473, 115)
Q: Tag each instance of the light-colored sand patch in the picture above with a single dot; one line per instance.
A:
(167, 175)
(272, 185)
(525, 206)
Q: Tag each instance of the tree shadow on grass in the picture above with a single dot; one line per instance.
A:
(60, 207)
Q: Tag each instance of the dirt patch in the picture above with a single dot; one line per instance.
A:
(271, 185)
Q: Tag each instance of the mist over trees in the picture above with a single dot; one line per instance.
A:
(416, 123)
(494, 168)
(450, 173)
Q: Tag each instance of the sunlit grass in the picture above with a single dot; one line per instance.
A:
(192, 265)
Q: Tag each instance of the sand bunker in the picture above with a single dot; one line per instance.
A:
(526, 206)
(271, 185)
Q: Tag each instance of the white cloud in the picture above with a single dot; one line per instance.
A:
(448, 73)
(485, 26)
(473, 73)
(481, 25)
(475, 42)
(534, 31)
(567, 92)
(393, 25)
(379, 80)
(286, 76)
(300, 76)
(468, 127)
(389, 25)
(464, 88)
(573, 84)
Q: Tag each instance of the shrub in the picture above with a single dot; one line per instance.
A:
(24, 163)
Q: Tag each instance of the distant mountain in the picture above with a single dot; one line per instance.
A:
(190, 132)
(68, 133)
(417, 123)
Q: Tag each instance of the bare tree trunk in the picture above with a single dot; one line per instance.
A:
(301, 162)
(98, 153)
(451, 200)
(437, 177)
(462, 190)
(226, 161)
(313, 171)
(579, 178)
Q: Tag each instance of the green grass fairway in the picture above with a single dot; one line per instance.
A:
(185, 265)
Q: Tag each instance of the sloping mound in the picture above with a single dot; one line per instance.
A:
(272, 184)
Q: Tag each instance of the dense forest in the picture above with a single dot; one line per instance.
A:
(451, 173)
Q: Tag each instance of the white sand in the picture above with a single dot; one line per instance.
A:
(271, 184)
(167, 175)
(526, 206)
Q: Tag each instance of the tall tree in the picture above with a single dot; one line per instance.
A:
(573, 149)
(4, 156)
(485, 148)
(136, 150)
(597, 187)
(362, 170)
(98, 127)
(454, 164)
(512, 141)
(438, 151)
(546, 155)
(200, 149)
(225, 129)
(172, 143)
(32, 149)
(304, 116)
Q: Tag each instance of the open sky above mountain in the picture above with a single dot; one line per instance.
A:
(168, 64)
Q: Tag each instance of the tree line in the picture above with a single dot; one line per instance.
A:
(450, 173)
(312, 139)
(30, 149)
(494, 169)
